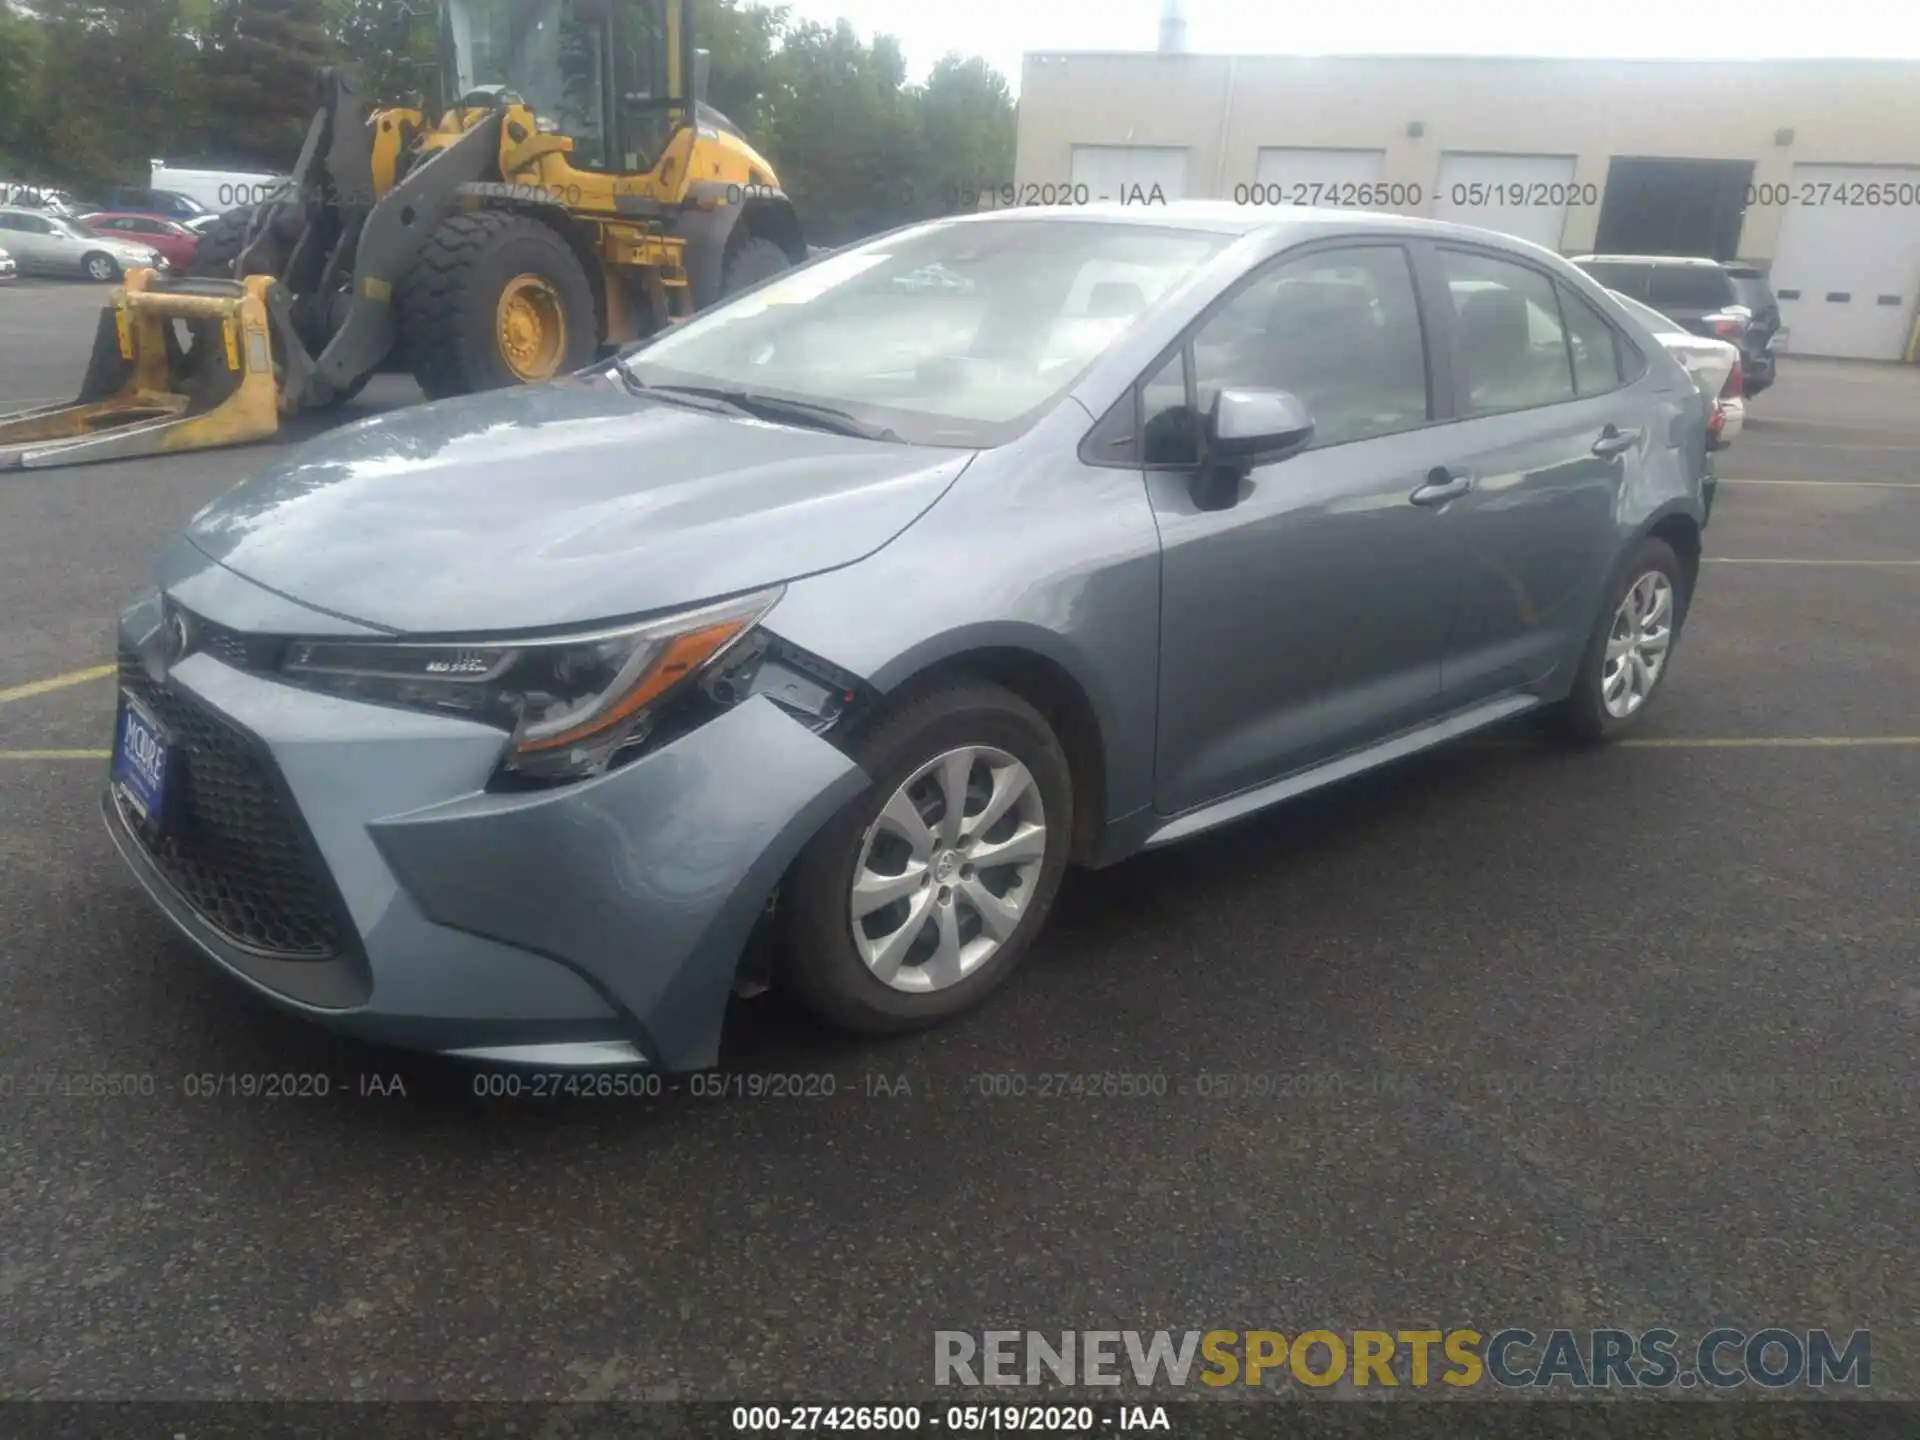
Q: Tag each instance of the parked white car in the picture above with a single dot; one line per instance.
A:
(48, 245)
(7, 268)
(1714, 365)
(218, 190)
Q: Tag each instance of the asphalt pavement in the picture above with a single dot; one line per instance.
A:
(1505, 1036)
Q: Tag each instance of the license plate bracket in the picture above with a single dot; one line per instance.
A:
(142, 756)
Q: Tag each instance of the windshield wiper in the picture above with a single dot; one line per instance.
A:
(712, 402)
(804, 413)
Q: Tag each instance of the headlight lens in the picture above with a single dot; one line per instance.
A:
(570, 702)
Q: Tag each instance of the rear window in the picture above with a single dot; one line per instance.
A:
(1627, 279)
(1750, 288)
(1689, 287)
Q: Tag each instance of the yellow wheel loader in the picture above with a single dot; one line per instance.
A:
(575, 195)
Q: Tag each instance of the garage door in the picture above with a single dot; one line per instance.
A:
(1523, 195)
(1848, 267)
(1317, 177)
(1117, 172)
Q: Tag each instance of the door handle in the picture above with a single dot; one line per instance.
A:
(1614, 441)
(1441, 486)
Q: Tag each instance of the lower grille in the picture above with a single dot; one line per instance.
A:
(232, 847)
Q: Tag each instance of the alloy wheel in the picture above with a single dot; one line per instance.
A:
(100, 268)
(948, 868)
(1637, 645)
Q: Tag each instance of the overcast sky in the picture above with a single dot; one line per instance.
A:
(1002, 29)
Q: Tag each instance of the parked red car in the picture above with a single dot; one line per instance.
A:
(170, 238)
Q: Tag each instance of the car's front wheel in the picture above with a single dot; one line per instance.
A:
(101, 267)
(922, 896)
(1631, 648)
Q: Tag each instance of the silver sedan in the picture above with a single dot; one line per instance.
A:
(45, 244)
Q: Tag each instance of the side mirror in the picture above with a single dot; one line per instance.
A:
(1256, 427)
(702, 68)
(1246, 428)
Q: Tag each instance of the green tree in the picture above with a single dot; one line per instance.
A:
(741, 39)
(260, 76)
(20, 61)
(967, 134)
(111, 85)
(842, 131)
(392, 43)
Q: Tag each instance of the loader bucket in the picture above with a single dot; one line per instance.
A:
(146, 393)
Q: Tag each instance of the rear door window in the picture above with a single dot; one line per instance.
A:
(1509, 337)
(1597, 363)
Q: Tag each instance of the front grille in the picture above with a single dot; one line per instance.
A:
(238, 649)
(233, 847)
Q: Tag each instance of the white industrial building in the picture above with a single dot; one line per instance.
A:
(1807, 168)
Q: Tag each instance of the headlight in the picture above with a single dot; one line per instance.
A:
(570, 702)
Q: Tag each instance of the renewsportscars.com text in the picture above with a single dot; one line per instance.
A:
(1513, 1358)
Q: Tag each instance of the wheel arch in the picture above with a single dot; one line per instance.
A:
(710, 233)
(1038, 674)
(1678, 528)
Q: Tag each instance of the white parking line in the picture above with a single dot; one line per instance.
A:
(1859, 564)
(1773, 444)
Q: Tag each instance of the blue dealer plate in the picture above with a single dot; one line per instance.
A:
(140, 752)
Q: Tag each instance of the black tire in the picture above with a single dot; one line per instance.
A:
(219, 246)
(100, 267)
(1582, 717)
(448, 301)
(751, 259)
(817, 960)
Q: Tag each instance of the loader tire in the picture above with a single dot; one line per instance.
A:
(750, 260)
(494, 299)
(220, 246)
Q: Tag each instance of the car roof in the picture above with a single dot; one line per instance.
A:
(1649, 260)
(1225, 218)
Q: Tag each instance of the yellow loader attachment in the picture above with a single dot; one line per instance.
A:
(147, 393)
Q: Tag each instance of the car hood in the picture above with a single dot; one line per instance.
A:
(561, 504)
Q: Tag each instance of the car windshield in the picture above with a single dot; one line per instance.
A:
(953, 334)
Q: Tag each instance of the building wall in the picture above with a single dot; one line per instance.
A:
(1225, 108)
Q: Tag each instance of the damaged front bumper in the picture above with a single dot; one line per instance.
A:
(349, 862)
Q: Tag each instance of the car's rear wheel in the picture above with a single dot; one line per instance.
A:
(922, 896)
(1631, 648)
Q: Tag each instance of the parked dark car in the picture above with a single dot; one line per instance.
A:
(854, 609)
(169, 204)
(1708, 297)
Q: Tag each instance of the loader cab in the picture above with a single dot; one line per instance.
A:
(607, 74)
